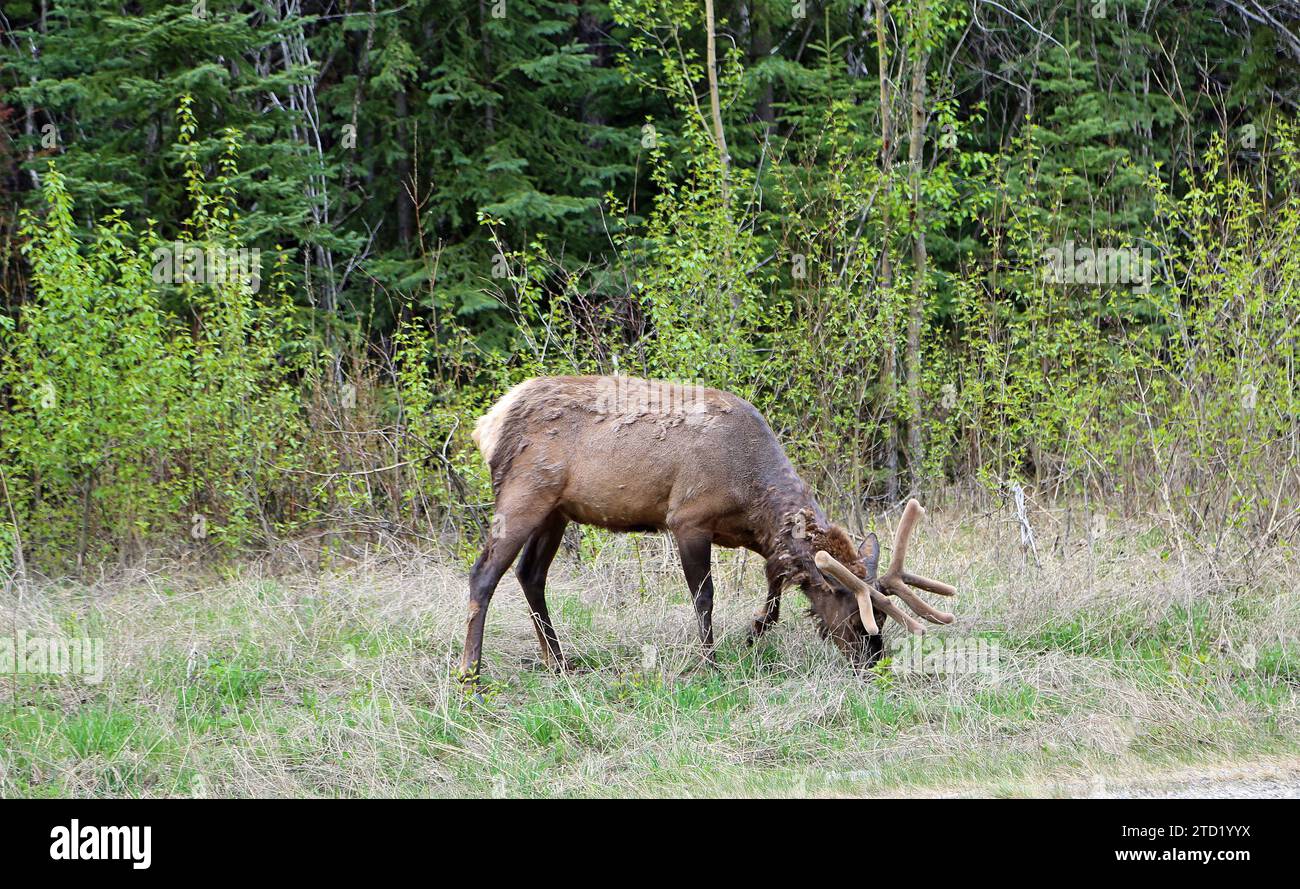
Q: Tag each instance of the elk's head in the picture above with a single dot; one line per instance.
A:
(853, 600)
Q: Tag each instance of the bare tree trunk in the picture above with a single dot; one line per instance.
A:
(724, 158)
(363, 78)
(29, 110)
(760, 48)
(489, 116)
(295, 53)
(87, 512)
(888, 373)
(916, 309)
(405, 183)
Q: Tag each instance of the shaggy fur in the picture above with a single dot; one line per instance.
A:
(806, 531)
(640, 455)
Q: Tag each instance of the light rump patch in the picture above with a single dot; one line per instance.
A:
(487, 431)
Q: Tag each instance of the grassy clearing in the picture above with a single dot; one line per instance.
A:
(1118, 656)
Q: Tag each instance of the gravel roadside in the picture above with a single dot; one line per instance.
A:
(1268, 779)
(1251, 781)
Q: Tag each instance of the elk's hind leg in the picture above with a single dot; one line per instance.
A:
(515, 521)
(531, 570)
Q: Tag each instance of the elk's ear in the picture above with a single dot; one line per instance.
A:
(870, 554)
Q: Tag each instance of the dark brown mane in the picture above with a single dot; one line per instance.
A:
(835, 540)
(803, 533)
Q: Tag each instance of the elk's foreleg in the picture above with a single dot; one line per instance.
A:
(770, 612)
(696, 548)
(531, 570)
(876, 644)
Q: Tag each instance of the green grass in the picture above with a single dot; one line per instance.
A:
(344, 686)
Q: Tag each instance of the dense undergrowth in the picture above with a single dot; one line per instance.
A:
(200, 416)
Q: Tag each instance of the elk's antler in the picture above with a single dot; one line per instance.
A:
(872, 591)
(896, 580)
(867, 595)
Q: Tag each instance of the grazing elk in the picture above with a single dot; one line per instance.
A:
(637, 455)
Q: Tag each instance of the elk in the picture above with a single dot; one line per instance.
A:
(628, 454)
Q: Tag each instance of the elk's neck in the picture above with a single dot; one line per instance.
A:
(794, 529)
(777, 513)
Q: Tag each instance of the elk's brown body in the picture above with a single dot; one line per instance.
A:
(636, 455)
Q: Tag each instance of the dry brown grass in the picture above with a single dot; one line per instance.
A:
(1118, 654)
